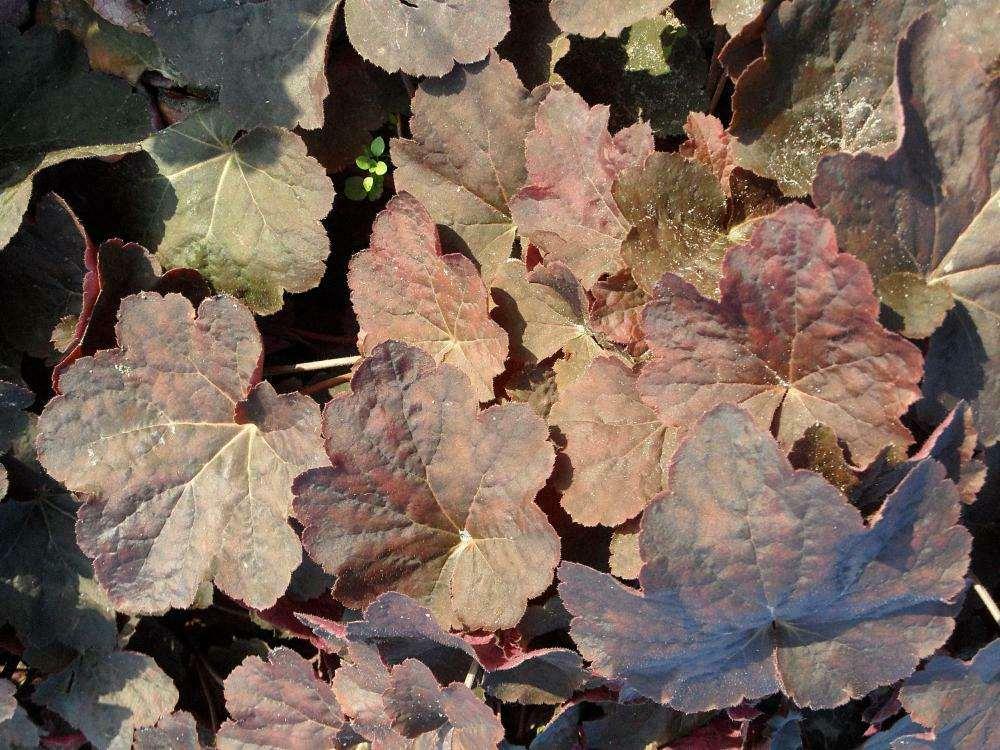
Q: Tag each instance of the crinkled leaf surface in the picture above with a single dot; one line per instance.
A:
(589, 18)
(959, 701)
(41, 277)
(428, 496)
(280, 703)
(246, 212)
(108, 697)
(53, 108)
(175, 732)
(187, 458)
(47, 587)
(795, 332)
(925, 218)
(617, 446)
(466, 159)
(426, 37)
(616, 311)
(16, 727)
(823, 85)
(267, 59)
(405, 288)
(566, 209)
(760, 578)
(116, 270)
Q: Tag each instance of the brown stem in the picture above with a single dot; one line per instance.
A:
(986, 598)
(320, 364)
(322, 385)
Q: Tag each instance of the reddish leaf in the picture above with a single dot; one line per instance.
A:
(185, 456)
(280, 703)
(428, 496)
(403, 287)
(566, 209)
(593, 19)
(959, 701)
(174, 732)
(616, 311)
(795, 340)
(759, 579)
(114, 271)
(709, 144)
(546, 676)
(466, 159)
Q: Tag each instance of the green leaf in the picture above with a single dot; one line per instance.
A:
(368, 182)
(380, 168)
(376, 189)
(354, 189)
(378, 146)
(363, 161)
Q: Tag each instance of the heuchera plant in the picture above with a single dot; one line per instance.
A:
(648, 400)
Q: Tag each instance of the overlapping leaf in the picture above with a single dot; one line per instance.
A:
(405, 288)
(466, 159)
(760, 579)
(244, 211)
(618, 448)
(13, 401)
(594, 19)
(425, 38)
(279, 703)
(116, 270)
(47, 587)
(795, 339)
(16, 728)
(53, 108)
(428, 496)
(924, 218)
(566, 209)
(273, 75)
(174, 732)
(823, 85)
(108, 697)
(735, 14)
(186, 456)
(958, 701)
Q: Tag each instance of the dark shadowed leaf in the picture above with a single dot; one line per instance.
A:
(108, 697)
(47, 587)
(925, 218)
(115, 270)
(617, 445)
(248, 210)
(566, 209)
(796, 332)
(759, 579)
(405, 288)
(280, 703)
(616, 311)
(639, 725)
(13, 421)
(267, 59)
(466, 158)
(187, 457)
(16, 728)
(428, 496)
(174, 732)
(362, 98)
(41, 277)
(44, 78)
(425, 38)
(823, 85)
(546, 676)
(959, 701)
(588, 18)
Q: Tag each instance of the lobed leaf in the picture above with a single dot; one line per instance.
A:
(272, 75)
(244, 211)
(405, 288)
(794, 339)
(924, 217)
(428, 496)
(466, 159)
(186, 456)
(594, 19)
(425, 38)
(762, 579)
(566, 209)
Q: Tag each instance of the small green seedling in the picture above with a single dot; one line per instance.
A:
(369, 186)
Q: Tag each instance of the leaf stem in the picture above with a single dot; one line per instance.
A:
(322, 385)
(473, 674)
(986, 599)
(320, 364)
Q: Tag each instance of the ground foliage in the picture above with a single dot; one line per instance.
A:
(544, 374)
